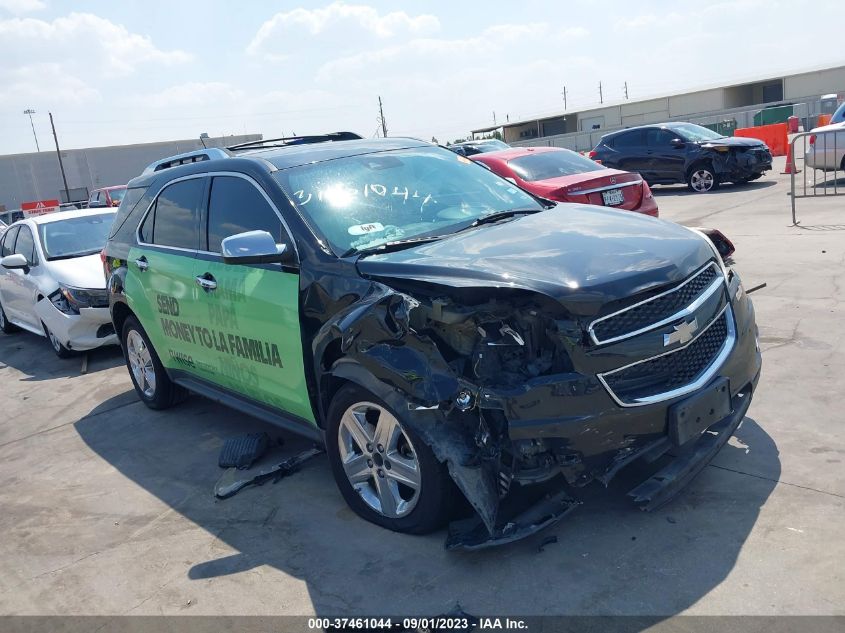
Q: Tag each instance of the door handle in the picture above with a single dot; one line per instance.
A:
(142, 264)
(207, 282)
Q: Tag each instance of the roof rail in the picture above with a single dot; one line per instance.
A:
(296, 140)
(210, 153)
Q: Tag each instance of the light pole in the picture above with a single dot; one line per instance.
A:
(30, 112)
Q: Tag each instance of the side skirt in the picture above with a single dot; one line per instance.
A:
(248, 406)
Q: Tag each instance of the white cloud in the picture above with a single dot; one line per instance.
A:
(69, 59)
(274, 37)
(419, 54)
(44, 82)
(96, 45)
(194, 94)
(21, 6)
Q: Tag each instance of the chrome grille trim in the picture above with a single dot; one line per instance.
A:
(708, 292)
(699, 382)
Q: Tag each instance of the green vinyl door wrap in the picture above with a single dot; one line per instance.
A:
(161, 291)
(249, 340)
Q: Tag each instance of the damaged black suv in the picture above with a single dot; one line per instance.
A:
(684, 152)
(440, 330)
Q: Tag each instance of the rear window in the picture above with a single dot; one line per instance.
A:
(547, 165)
(75, 237)
(128, 201)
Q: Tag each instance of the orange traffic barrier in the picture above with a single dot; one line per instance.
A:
(823, 119)
(774, 135)
(788, 168)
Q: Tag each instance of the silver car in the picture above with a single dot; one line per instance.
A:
(52, 281)
(826, 148)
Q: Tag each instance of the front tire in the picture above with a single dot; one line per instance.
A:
(702, 178)
(385, 472)
(152, 384)
(60, 350)
(6, 326)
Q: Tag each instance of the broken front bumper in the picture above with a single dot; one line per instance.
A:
(89, 329)
(654, 492)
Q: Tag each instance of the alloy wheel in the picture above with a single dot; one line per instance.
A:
(702, 180)
(379, 459)
(141, 363)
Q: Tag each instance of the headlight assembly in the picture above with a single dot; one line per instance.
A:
(70, 300)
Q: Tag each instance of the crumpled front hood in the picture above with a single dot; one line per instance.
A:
(580, 255)
(79, 272)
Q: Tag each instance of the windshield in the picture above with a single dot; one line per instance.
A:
(75, 237)
(360, 202)
(695, 133)
(545, 165)
(116, 195)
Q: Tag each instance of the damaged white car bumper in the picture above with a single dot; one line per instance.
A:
(89, 329)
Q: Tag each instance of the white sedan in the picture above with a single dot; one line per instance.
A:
(826, 148)
(52, 281)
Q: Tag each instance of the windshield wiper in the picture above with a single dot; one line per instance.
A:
(394, 245)
(73, 255)
(490, 218)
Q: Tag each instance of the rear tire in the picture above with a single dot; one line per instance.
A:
(702, 178)
(60, 350)
(152, 384)
(373, 455)
(6, 326)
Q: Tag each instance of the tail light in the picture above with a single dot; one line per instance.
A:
(592, 155)
(647, 191)
(105, 261)
(812, 139)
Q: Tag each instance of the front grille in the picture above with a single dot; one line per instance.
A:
(671, 371)
(652, 311)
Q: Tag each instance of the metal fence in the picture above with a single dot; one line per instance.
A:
(822, 154)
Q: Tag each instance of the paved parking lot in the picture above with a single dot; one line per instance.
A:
(107, 507)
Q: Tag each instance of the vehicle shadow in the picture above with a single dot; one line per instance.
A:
(662, 191)
(609, 558)
(32, 355)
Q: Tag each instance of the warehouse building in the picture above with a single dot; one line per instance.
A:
(736, 104)
(37, 176)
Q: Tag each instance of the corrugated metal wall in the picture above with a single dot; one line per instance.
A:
(36, 176)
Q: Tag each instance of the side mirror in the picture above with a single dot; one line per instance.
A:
(15, 262)
(676, 142)
(254, 247)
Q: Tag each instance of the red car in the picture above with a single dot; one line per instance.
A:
(566, 176)
(106, 196)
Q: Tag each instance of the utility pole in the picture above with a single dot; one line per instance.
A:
(30, 112)
(601, 96)
(626, 90)
(494, 117)
(381, 118)
(564, 98)
(59, 154)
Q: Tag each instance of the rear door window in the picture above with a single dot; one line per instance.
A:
(174, 219)
(235, 206)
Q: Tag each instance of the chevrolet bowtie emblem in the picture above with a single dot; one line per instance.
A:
(682, 334)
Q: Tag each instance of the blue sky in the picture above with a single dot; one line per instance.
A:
(128, 72)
